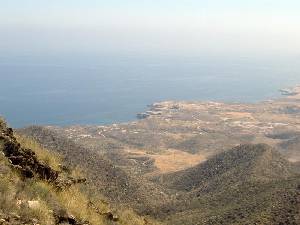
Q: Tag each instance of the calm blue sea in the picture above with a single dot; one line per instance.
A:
(68, 90)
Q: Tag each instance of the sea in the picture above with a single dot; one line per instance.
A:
(99, 90)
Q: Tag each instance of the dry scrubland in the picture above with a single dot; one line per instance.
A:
(36, 200)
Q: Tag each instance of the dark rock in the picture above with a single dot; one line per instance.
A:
(111, 216)
(142, 115)
(63, 183)
(27, 172)
(24, 160)
(64, 168)
(62, 216)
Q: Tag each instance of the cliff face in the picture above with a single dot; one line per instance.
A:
(37, 188)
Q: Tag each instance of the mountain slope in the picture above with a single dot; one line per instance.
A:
(113, 182)
(291, 147)
(257, 162)
(35, 188)
(249, 184)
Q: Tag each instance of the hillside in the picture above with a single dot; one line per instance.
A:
(291, 147)
(37, 188)
(249, 184)
(115, 183)
(256, 162)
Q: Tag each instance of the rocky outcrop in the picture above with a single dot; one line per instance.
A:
(22, 159)
(108, 215)
(149, 113)
(63, 217)
(15, 219)
(288, 92)
(142, 116)
(26, 162)
(64, 183)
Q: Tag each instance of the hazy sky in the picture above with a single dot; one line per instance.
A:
(151, 27)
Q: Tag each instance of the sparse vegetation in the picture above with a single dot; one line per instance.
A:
(50, 158)
(248, 184)
(37, 201)
(115, 183)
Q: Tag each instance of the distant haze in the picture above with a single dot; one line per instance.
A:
(97, 62)
(172, 27)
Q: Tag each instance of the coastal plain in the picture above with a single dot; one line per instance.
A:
(175, 135)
